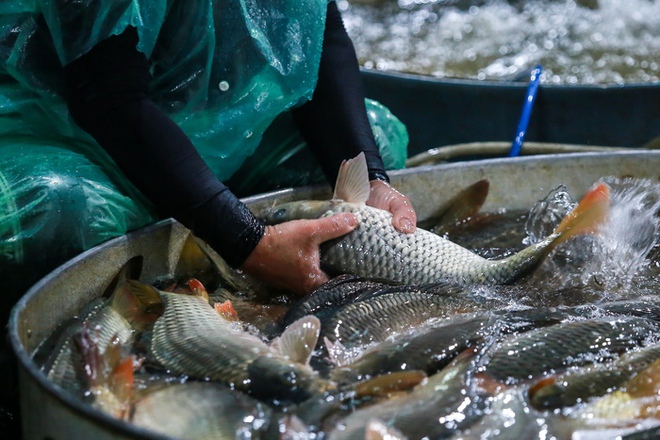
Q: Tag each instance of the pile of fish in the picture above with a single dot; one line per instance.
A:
(438, 345)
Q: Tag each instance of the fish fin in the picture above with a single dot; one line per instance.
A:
(130, 270)
(236, 280)
(386, 384)
(377, 430)
(352, 184)
(139, 303)
(109, 374)
(586, 217)
(646, 383)
(293, 428)
(539, 385)
(193, 259)
(299, 339)
(339, 355)
(88, 348)
(226, 310)
(489, 384)
(197, 288)
(464, 205)
(123, 379)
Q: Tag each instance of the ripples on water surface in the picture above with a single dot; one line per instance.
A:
(576, 41)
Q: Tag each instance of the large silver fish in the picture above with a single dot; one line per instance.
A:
(376, 250)
(192, 339)
(572, 343)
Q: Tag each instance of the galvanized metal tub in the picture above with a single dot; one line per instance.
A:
(48, 413)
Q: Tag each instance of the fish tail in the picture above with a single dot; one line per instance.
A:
(586, 217)
(197, 288)
(109, 374)
(226, 310)
(139, 303)
(122, 379)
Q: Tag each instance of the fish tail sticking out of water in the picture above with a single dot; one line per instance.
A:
(376, 250)
(226, 310)
(585, 218)
(109, 374)
(139, 310)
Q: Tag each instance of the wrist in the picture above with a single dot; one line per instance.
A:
(379, 175)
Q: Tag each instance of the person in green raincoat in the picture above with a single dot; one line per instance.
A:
(114, 114)
(277, 61)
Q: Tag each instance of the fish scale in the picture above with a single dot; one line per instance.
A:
(375, 249)
(65, 369)
(571, 343)
(375, 319)
(192, 339)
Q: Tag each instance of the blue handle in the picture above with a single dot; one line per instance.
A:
(526, 111)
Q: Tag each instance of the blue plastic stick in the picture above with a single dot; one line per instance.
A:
(526, 111)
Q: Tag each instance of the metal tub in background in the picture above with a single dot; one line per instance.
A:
(48, 413)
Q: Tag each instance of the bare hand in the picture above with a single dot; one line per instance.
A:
(288, 254)
(383, 196)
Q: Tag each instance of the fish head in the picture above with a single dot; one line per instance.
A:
(274, 377)
(304, 209)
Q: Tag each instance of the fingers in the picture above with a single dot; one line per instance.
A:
(288, 255)
(383, 196)
(328, 228)
(404, 216)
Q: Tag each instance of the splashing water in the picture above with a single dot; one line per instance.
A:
(576, 41)
(632, 232)
(617, 258)
(546, 215)
(620, 262)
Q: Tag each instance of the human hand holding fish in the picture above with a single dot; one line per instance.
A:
(376, 250)
(288, 255)
(383, 196)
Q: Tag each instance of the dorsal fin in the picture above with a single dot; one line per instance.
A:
(352, 184)
(299, 339)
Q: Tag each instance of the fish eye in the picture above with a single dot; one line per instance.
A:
(279, 213)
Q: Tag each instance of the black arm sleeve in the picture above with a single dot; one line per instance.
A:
(107, 96)
(334, 123)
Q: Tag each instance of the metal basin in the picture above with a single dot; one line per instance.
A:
(49, 413)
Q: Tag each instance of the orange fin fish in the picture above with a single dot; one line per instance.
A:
(110, 375)
(226, 310)
(587, 216)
